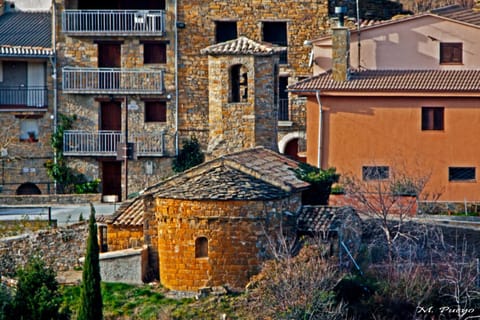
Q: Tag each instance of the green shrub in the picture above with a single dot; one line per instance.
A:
(37, 295)
(320, 183)
(189, 156)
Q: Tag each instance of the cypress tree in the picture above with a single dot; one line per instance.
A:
(91, 295)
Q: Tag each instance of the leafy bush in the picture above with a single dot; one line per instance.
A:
(320, 183)
(37, 295)
(189, 156)
(87, 187)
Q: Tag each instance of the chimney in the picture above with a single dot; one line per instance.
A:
(340, 48)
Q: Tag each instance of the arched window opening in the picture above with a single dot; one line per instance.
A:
(28, 188)
(201, 247)
(238, 83)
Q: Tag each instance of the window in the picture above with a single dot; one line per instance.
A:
(155, 111)
(29, 130)
(154, 52)
(461, 173)
(451, 52)
(432, 118)
(276, 33)
(103, 238)
(375, 173)
(201, 247)
(283, 112)
(238, 83)
(225, 30)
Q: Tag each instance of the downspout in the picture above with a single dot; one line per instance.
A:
(358, 33)
(53, 61)
(176, 76)
(320, 129)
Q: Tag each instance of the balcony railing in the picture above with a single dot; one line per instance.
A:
(24, 96)
(113, 22)
(112, 80)
(107, 143)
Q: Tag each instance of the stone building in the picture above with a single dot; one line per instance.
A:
(134, 74)
(26, 96)
(213, 223)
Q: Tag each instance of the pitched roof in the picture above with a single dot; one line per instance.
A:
(323, 219)
(420, 81)
(26, 34)
(241, 46)
(257, 173)
(457, 12)
(221, 183)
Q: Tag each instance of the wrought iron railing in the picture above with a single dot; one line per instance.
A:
(283, 110)
(112, 80)
(108, 143)
(114, 22)
(24, 96)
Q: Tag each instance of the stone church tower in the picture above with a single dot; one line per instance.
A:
(243, 96)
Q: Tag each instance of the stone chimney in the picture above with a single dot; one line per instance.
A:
(340, 49)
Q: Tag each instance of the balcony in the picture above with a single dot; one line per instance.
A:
(107, 143)
(113, 22)
(112, 81)
(21, 96)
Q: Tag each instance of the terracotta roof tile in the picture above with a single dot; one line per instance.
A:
(459, 13)
(396, 80)
(241, 45)
(130, 213)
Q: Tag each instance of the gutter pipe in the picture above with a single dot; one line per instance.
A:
(320, 129)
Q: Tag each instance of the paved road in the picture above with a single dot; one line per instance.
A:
(64, 214)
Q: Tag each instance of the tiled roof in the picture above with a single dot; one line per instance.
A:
(259, 170)
(220, 183)
(130, 213)
(459, 13)
(322, 219)
(268, 165)
(26, 33)
(241, 46)
(397, 81)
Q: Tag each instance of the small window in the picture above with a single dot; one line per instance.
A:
(103, 238)
(375, 173)
(155, 111)
(461, 173)
(276, 33)
(154, 52)
(451, 52)
(201, 247)
(432, 118)
(238, 83)
(225, 30)
(29, 130)
(283, 103)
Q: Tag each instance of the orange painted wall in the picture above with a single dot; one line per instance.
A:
(359, 131)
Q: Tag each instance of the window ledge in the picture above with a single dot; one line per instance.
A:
(283, 123)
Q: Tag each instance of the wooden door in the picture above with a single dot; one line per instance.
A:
(109, 56)
(112, 178)
(110, 125)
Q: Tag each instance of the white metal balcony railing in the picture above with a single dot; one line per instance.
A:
(24, 96)
(114, 22)
(112, 80)
(107, 143)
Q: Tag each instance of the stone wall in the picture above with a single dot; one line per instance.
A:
(60, 248)
(48, 200)
(236, 232)
(125, 266)
(124, 237)
(306, 20)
